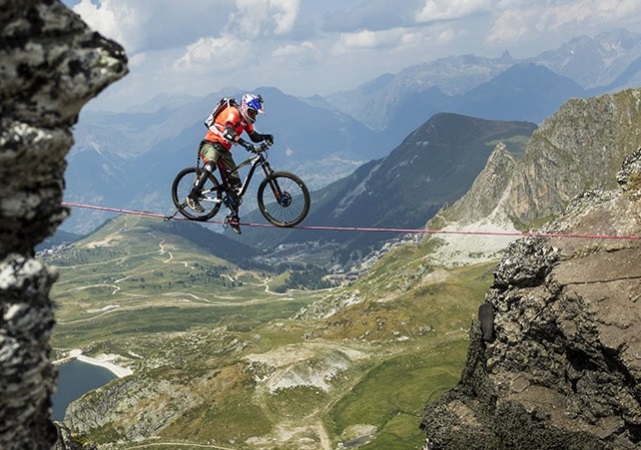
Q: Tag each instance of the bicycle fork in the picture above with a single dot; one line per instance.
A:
(273, 184)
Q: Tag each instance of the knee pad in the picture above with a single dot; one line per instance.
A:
(209, 167)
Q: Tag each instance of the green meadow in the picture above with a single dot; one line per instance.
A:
(223, 335)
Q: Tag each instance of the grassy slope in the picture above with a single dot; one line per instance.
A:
(132, 278)
(196, 321)
(417, 297)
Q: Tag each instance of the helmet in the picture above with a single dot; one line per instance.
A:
(250, 106)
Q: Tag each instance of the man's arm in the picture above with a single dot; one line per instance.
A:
(258, 137)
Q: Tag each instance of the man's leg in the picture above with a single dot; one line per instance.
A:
(210, 155)
(234, 222)
(233, 179)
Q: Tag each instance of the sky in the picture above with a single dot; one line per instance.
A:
(310, 47)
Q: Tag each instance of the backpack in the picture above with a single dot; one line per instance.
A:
(223, 103)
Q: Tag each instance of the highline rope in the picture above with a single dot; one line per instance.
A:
(366, 229)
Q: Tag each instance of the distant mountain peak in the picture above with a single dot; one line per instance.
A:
(594, 61)
(608, 61)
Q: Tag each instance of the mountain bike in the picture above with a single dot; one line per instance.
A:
(283, 198)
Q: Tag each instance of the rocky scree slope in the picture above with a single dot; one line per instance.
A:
(554, 362)
(51, 63)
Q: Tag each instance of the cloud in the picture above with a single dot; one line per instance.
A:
(141, 25)
(529, 21)
(594, 12)
(511, 26)
(374, 15)
(254, 18)
(301, 53)
(305, 46)
(214, 54)
(114, 20)
(368, 39)
(438, 10)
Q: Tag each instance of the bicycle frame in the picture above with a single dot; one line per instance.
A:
(254, 161)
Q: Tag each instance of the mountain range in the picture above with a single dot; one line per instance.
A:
(229, 349)
(213, 356)
(129, 159)
(586, 65)
(433, 166)
(241, 355)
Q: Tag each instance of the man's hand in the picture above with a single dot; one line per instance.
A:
(229, 134)
(269, 139)
(249, 147)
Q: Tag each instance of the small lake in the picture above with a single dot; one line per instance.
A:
(76, 378)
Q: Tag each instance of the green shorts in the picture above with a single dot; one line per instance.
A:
(213, 151)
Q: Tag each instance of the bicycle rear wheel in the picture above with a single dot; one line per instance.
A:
(210, 197)
(283, 199)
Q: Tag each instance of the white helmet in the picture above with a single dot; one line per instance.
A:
(250, 106)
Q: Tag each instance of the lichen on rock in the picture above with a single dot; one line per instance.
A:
(562, 368)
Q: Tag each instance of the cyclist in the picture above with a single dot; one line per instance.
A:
(223, 131)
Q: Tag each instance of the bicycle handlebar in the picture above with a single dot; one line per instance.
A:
(258, 148)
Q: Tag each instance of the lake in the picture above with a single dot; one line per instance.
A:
(76, 378)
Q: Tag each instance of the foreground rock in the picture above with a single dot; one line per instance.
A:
(561, 366)
(51, 65)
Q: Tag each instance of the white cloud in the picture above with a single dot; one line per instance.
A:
(521, 21)
(510, 26)
(445, 36)
(594, 12)
(437, 10)
(304, 53)
(303, 47)
(255, 18)
(367, 39)
(114, 20)
(214, 54)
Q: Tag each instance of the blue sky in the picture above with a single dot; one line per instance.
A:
(307, 47)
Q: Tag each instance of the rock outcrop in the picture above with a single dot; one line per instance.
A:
(51, 64)
(578, 148)
(561, 367)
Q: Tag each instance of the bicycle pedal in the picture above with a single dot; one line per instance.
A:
(233, 223)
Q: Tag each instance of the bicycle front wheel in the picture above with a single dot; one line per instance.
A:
(283, 199)
(210, 197)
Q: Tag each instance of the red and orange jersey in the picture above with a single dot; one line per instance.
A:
(229, 116)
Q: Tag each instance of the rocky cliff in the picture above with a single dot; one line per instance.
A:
(578, 148)
(554, 362)
(51, 64)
